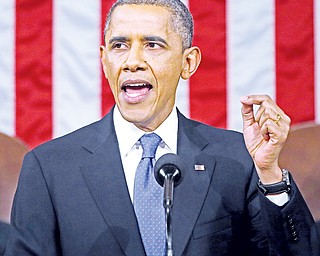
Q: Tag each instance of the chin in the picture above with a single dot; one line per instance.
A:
(134, 116)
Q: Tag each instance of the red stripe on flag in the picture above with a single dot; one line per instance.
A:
(295, 59)
(208, 96)
(34, 71)
(107, 100)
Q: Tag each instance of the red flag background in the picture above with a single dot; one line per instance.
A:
(51, 81)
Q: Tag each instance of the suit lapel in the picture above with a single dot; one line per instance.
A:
(104, 176)
(190, 194)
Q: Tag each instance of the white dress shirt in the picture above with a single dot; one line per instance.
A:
(131, 151)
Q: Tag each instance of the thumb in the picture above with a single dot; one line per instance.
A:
(247, 112)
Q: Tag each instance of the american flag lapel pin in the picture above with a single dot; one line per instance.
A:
(199, 167)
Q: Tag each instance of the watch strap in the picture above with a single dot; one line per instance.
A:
(276, 188)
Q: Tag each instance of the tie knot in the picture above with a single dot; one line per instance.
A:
(149, 143)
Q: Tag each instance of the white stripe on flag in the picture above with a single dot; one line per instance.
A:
(183, 92)
(250, 53)
(317, 59)
(7, 64)
(182, 100)
(76, 81)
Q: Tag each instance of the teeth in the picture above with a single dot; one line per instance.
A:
(136, 85)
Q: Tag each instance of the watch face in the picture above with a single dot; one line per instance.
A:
(286, 176)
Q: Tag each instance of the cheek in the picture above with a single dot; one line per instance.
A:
(171, 76)
(170, 67)
(112, 70)
(168, 89)
(112, 79)
(114, 63)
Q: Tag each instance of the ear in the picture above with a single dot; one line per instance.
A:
(192, 58)
(103, 59)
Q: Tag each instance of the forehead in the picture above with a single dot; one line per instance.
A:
(143, 19)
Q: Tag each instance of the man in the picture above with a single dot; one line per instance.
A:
(76, 194)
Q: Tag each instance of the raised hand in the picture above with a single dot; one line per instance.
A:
(264, 133)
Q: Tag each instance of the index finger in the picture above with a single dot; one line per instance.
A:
(255, 99)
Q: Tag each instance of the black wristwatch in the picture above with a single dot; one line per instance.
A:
(276, 188)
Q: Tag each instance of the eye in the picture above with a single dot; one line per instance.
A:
(118, 45)
(153, 45)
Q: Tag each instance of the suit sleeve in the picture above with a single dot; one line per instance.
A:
(34, 229)
(290, 229)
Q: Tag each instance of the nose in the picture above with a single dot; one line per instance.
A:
(135, 60)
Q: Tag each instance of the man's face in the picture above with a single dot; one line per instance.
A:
(143, 60)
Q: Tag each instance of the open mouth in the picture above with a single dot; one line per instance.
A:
(133, 88)
(136, 91)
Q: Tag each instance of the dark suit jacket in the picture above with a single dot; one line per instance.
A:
(4, 234)
(72, 199)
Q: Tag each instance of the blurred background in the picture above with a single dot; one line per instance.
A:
(51, 80)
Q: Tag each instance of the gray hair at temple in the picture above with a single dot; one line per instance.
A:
(182, 20)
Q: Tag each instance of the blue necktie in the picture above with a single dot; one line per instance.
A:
(148, 199)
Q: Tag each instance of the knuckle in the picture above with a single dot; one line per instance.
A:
(289, 120)
(267, 97)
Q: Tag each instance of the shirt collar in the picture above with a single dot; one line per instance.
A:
(128, 134)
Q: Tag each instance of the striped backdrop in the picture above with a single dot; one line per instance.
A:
(51, 81)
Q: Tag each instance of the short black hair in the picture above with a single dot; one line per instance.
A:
(182, 19)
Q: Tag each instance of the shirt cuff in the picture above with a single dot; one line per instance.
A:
(279, 199)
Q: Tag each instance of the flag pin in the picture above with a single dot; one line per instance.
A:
(199, 167)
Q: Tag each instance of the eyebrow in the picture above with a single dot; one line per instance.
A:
(155, 39)
(118, 39)
(146, 38)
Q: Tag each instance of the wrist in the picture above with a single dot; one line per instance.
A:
(277, 187)
(270, 176)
